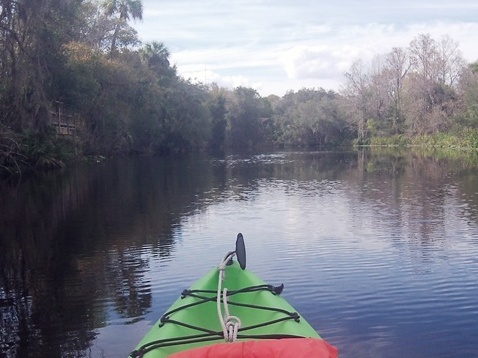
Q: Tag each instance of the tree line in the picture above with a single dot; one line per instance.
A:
(85, 58)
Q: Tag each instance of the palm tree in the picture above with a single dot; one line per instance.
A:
(126, 9)
(155, 54)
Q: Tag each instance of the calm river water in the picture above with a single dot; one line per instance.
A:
(378, 251)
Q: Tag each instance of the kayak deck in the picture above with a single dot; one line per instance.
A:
(192, 321)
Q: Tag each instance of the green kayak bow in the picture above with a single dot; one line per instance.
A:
(230, 304)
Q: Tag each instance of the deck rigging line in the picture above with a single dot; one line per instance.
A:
(207, 335)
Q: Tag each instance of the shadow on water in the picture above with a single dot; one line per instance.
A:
(84, 235)
(73, 238)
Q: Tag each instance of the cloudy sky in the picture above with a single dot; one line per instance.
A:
(276, 46)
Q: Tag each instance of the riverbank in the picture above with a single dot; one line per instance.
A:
(21, 153)
(465, 138)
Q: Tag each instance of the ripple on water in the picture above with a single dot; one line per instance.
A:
(375, 279)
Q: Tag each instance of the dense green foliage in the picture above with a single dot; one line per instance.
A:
(311, 118)
(83, 59)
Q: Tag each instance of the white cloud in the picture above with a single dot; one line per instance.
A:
(304, 62)
(277, 46)
(201, 74)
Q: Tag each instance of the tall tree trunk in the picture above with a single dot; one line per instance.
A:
(114, 38)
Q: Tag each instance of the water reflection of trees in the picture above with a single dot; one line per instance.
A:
(30, 259)
(416, 191)
(289, 168)
(413, 191)
(73, 248)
